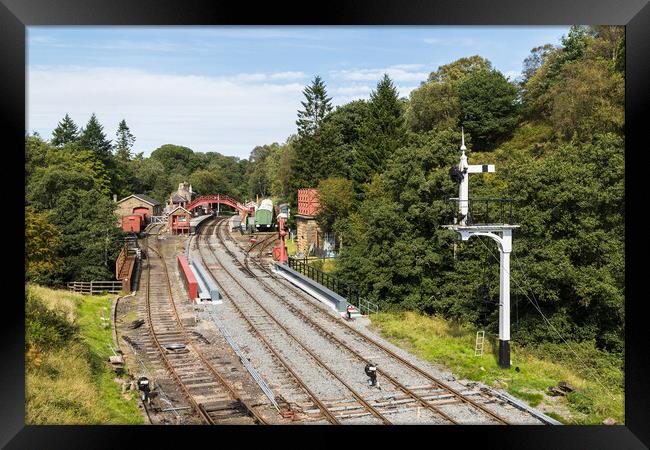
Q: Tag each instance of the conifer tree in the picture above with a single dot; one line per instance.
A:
(65, 132)
(382, 133)
(317, 105)
(93, 138)
(124, 142)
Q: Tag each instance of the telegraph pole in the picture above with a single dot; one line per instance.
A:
(501, 233)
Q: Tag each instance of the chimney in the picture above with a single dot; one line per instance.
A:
(115, 198)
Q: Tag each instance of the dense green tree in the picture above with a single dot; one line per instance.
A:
(608, 44)
(150, 177)
(349, 119)
(336, 198)
(570, 245)
(316, 106)
(175, 158)
(319, 156)
(456, 71)
(41, 242)
(90, 237)
(124, 142)
(381, 134)
(65, 169)
(575, 43)
(395, 246)
(258, 180)
(535, 60)
(65, 132)
(434, 105)
(537, 87)
(93, 138)
(210, 182)
(589, 99)
(579, 87)
(123, 178)
(278, 169)
(488, 108)
(36, 150)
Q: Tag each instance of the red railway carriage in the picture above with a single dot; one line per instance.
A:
(144, 212)
(132, 223)
(189, 280)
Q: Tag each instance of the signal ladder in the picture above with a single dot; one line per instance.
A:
(480, 339)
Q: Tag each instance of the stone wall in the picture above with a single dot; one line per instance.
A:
(125, 208)
(307, 233)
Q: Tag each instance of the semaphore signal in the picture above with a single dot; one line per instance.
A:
(467, 227)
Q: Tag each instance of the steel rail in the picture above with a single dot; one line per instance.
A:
(431, 378)
(196, 406)
(326, 412)
(251, 411)
(266, 242)
(356, 395)
(395, 382)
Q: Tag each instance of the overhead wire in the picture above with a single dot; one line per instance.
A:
(550, 325)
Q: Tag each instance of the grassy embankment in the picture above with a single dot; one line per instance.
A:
(291, 247)
(452, 345)
(327, 265)
(68, 378)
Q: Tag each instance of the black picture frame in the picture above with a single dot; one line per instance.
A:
(16, 15)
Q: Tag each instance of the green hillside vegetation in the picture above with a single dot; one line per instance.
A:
(68, 378)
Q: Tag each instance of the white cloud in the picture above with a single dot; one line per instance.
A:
(247, 77)
(288, 75)
(230, 115)
(404, 91)
(408, 66)
(346, 94)
(400, 72)
(353, 90)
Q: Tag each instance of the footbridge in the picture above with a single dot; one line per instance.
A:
(222, 199)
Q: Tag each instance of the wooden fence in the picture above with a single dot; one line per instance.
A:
(95, 287)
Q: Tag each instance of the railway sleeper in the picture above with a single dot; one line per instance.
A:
(224, 405)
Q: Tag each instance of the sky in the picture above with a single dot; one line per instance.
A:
(230, 88)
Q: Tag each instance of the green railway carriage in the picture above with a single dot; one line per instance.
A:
(264, 215)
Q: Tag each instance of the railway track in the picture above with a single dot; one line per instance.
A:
(260, 246)
(209, 394)
(397, 363)
(257, 316)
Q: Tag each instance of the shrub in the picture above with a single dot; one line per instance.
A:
(46, 329)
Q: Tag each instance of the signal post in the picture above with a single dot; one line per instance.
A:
(501, 233)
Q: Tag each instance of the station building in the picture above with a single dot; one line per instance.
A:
(181, 197)
(178, 221)
(138, 204)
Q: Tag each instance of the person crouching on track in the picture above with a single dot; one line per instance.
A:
(371, 371)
